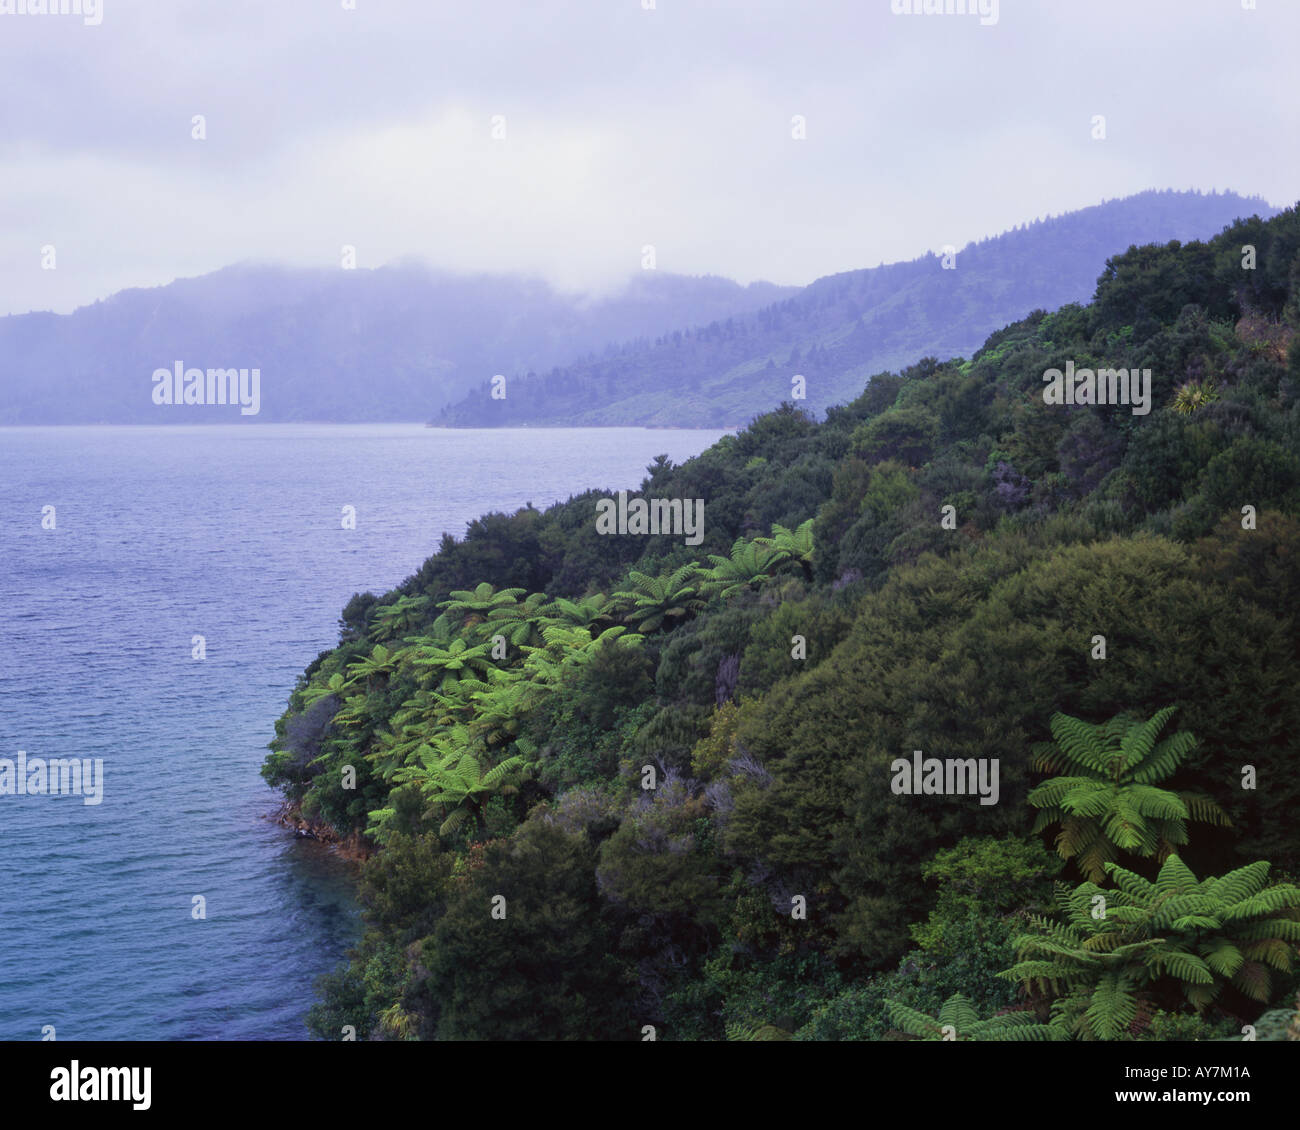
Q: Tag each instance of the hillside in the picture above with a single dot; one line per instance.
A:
(840, 330)
(395, 343)
(623, 782)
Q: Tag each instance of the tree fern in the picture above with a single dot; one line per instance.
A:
(958, 1021)
(752, 1030)
(750, 565)
(793, 545)
(1104, 797)
(1178, 935)
(654, 601)
(398, 618)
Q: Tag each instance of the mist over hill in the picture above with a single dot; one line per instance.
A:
(391, 344)
(407, 343)
(841, 329)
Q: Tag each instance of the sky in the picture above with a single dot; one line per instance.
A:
(562, 139)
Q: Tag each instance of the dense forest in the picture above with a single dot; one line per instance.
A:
(839, 330)
(621, 787)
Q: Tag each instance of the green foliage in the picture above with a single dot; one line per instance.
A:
(445, 667)
(771, 679)
(660, 864)
(1193, 395)
(655, 601)
(1107, 801)
(457, 780)
(750, 565)
(780, 990)
(1176, 940)
(476, 606)
(342, 1003)
(1185, 1026)
(965, 954)
(544, 971)
(958, 1020)
(857, 1013)
(711, 754)
(889, 491)
(756, 1031)
(403, 888)
(821, 621)
(794, 545)
(588, 725)
(904, 435)
(985, 877)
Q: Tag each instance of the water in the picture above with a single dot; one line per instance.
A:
(233, 533)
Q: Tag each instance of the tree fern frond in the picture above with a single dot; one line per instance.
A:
(1175, 877)
(959, 1012)
(1204, 810)
(1078, 742)
(1241, 883)
(912, 1022)
(1222, 956)
(1254, 980)
(1140, 739)
(1112, 1008)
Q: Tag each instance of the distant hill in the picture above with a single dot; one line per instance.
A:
(840, 330)
(396, 343)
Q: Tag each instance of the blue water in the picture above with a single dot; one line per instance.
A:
(232, 533)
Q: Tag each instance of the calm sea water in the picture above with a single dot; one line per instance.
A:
(232, 533)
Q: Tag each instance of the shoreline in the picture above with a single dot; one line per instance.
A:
(352, 847)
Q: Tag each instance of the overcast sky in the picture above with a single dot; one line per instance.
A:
(623, 127)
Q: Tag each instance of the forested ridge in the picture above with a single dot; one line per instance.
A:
(842, 328)
(620, 783)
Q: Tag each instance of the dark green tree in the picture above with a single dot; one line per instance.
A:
(543, 968)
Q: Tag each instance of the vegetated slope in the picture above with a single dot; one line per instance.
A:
(619, 781)
(841, 329)
(391, 344)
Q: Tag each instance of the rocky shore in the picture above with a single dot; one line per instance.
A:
(351, 847)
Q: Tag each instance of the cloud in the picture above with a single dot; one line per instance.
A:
(623, 127)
